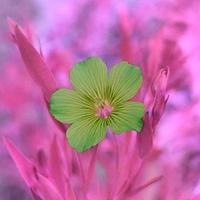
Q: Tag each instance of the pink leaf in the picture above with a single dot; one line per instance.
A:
(40, 185)
(145, 137)
(45, 189)
(196, 197)
(92, 165)
(142, 187)
(34, 62)
(57, 169)
(160, 83)
(159, 88)
(12, 24)
(158, 109)
(125, 30)
(35, 65)
(26, 167)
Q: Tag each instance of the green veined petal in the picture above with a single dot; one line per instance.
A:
(90, 77)
(124, 81)
(86, 133)
(67, 106)
(127, 116)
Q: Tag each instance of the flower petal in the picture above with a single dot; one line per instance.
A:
(90, 77)
(124, 81)
(127, 116)
(86, 133)
(67, 106)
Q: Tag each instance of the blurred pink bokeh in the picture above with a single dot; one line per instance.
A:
(155, 35)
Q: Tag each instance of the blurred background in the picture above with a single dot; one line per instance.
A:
(151, 34)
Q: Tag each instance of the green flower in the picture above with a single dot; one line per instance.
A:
(99, 100)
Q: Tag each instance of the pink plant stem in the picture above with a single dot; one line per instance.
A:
(92, 166)
(142, 187)
(131, 179)
(124, 162)
(83, 178)
(115, 171)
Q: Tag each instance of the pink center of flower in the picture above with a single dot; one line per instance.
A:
(104, 110)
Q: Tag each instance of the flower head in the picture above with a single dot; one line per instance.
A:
(99, 100)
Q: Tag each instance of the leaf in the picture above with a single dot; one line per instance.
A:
(147, 184)
(92, 165)
(12, 24)
(25, 166)
(34, 63)
(159, 88)
(38, 184)
(56, 168)
(46, 189)
(160, 82)
(145, 137)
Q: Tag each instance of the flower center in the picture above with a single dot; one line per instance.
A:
(103, 109)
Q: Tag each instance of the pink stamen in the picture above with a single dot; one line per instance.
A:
(104, 111)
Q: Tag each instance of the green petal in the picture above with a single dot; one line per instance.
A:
(90, 77)
(67, 106)
(86, 133)
(124, 81)
(126, 117)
